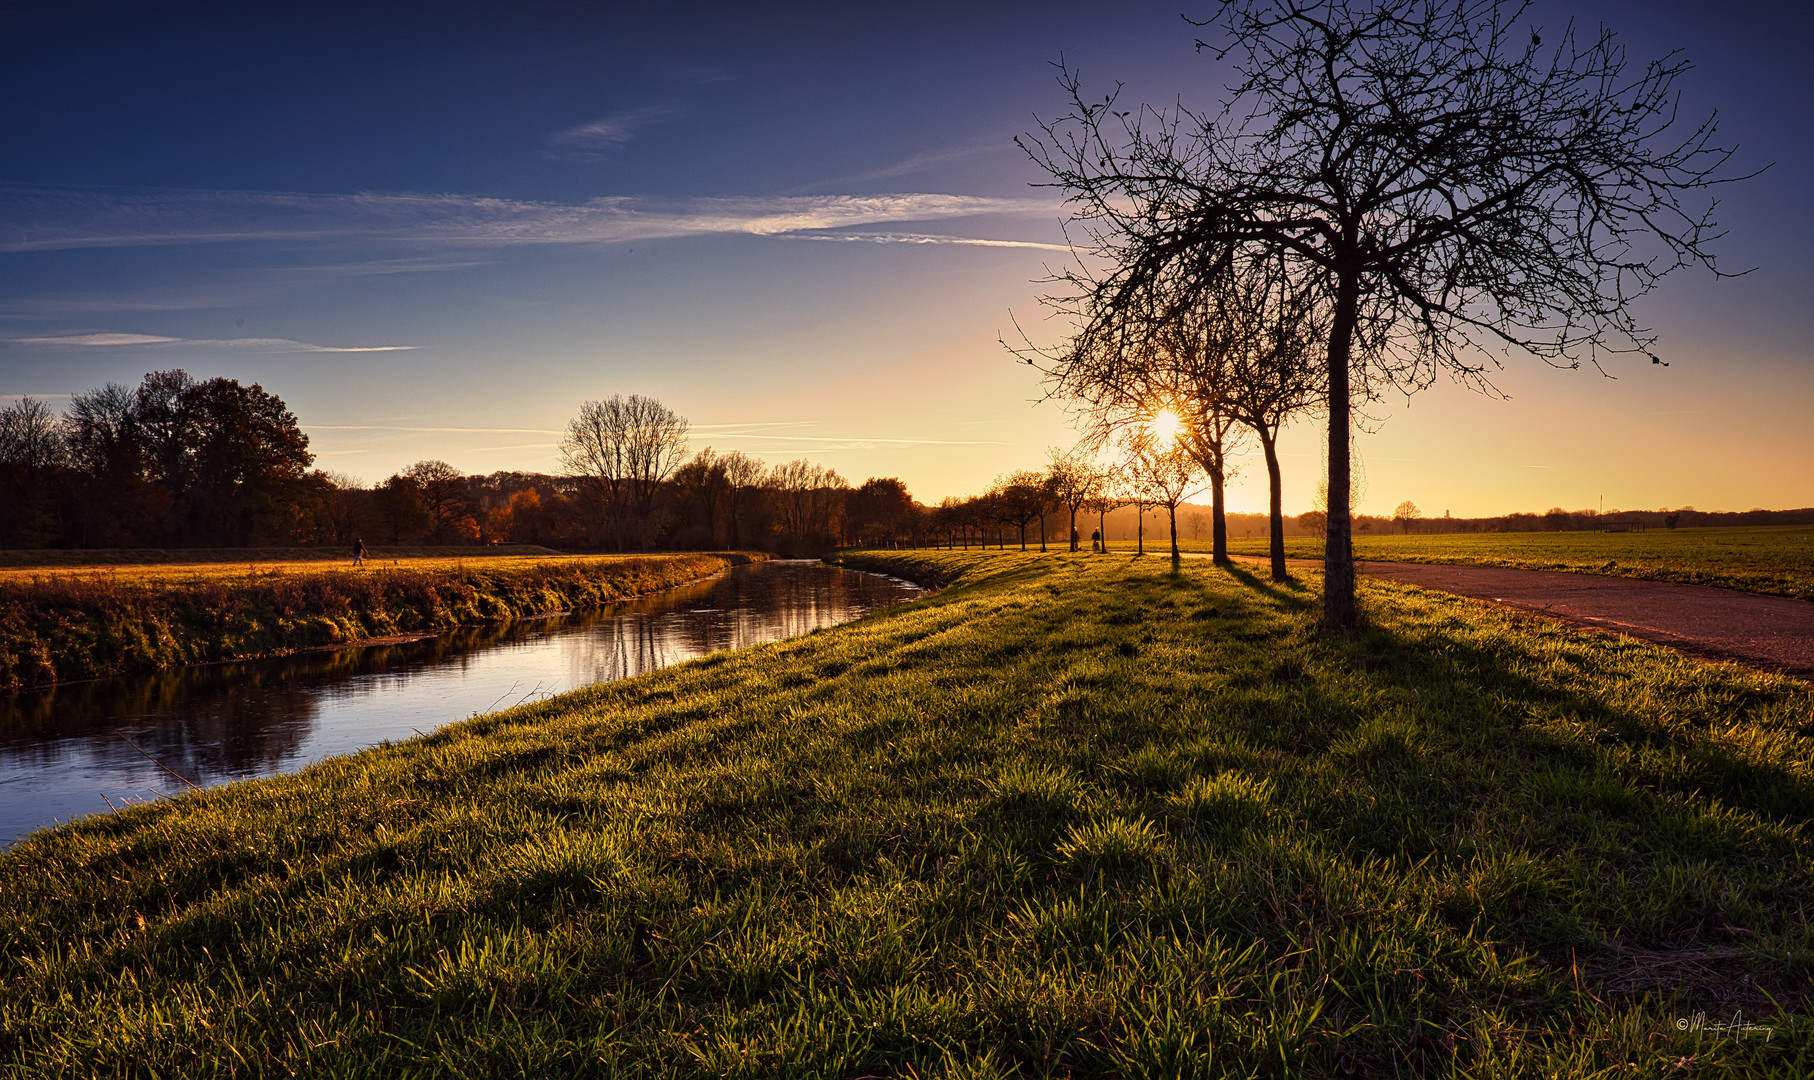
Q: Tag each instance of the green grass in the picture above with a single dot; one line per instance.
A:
(1773, 559)
(60, 625)
(1072, 816)
(114, 557)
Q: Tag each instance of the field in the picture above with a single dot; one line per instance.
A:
(77, 622)
(1773, 559)
(1072, 816)
(199, 561)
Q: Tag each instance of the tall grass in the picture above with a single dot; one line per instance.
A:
(57, 627)
(1072, 816)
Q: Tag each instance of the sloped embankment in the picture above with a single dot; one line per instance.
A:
(1075, 815)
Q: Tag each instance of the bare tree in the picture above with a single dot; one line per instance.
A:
(1126, 488)
(1446, 182)
(809, 496)
(1209, 438)
(1161, 353)
(703, 480)
(32, 446)
(1074, 480)
(1107, 498)
(1021, 497)
(743, 477)
(1164, 473)
(1268, 329)
(1406, 514)
(625, 448)
(991, 509)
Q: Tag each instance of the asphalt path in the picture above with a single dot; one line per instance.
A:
(1771, 632)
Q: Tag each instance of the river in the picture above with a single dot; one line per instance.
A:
(71, 750)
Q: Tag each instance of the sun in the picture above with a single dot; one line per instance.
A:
(1166, 425)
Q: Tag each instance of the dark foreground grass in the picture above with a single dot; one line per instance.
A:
(1072, 816)
(1777, 560)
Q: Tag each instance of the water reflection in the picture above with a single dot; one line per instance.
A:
(63, 749)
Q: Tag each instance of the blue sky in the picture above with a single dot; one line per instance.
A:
(435, 229)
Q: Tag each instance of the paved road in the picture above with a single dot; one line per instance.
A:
(1771, 632)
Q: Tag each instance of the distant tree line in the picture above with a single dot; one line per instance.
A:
(1556, 519)
(173, 462)
(177, 462)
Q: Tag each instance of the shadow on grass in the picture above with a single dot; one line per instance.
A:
(1571, 818)
(1289, 592)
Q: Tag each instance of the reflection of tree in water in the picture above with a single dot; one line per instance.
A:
(251, 718)
(776, 601)
(217, 719)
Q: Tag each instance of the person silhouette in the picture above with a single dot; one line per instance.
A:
(1095, 539)
(358, 551)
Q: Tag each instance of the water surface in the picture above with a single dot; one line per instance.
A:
(66, 751)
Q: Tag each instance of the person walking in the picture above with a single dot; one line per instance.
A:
(358, 551)
(1096, 540)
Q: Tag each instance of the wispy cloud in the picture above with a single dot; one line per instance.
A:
(241, 287)
(920, 162)
(47, 219)
(513, 446)
(434, 430)
(860, 440)
(926, 238)
(106, 340)
(612, 132)
(764, 431)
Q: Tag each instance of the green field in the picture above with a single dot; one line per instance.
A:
(1072, 816)
(1773, 559)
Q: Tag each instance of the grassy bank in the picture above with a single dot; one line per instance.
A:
(1776, 559)
(108, 558)
(58, 626)
(1071, 816)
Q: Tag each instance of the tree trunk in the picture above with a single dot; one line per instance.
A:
(1218, 520)
(1172, 512)
(1339, 610)
(1073, 528)
(1275, 521)
(1042, 530)
(1139, 529)
(1023, 536)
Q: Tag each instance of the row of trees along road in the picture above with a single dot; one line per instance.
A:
(1391, 189)
(1151, 473)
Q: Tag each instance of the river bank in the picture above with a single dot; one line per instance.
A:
(1073, 815)
(58, 626)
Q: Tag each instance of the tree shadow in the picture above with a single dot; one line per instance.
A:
(1288, 592)
(1549, 768)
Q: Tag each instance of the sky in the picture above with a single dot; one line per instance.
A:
(434, 230)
